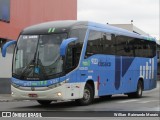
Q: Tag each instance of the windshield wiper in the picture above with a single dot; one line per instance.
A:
(31, 64)
(35, 64)
(38, 64)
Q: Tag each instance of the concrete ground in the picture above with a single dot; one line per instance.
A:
(6, 98)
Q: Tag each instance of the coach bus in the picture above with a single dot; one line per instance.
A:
(81, 60)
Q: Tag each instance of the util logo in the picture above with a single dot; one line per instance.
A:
(147, 71)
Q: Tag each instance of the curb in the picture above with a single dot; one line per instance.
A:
(6, 100)
(10, 100)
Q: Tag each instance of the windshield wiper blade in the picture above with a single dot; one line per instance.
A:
(39, 63)
(35, 64)
(41, 67)
(31, 64)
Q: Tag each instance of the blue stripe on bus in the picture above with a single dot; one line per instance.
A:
(33, 83)
(117, 72)
(126, 63)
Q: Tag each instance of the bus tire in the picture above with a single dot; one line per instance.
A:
(44, 102)
(138, 93)
(88, 96)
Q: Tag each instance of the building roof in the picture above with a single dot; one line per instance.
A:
(132, 28)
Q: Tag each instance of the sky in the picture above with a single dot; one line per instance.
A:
(144, 13)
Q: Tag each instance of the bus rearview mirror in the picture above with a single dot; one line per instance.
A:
(5, 46)
(64, 45)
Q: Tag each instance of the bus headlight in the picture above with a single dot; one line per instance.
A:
(59, 94)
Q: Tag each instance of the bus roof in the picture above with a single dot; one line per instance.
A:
(66, 25)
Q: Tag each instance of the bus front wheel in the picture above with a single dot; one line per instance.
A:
(139, 91)
(44, 102)
(88, 96)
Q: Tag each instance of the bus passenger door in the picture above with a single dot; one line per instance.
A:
(71, 62)
(106, 75)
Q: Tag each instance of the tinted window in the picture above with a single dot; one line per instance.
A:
(74, 49)
(128, 46)
(124, 46)
(94, 45)
(144, 48)
(108, 43)
(78, 33)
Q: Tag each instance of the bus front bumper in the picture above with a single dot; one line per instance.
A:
(57, 93)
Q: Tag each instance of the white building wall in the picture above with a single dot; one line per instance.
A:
(6, 63)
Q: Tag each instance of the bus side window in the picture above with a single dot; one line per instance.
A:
(70, 56)
(94, 44)
(124, 46)
(74, 50)
(73, 55)
(108, 43)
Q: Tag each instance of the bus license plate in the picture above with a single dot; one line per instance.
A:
(32, 95)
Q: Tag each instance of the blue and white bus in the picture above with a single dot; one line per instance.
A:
(80, 60)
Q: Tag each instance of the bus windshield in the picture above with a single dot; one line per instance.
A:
(37, 56)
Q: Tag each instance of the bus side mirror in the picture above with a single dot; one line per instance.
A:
(5, 46)
(64, 45)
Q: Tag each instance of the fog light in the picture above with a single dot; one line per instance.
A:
(11, 93)
(59, 94)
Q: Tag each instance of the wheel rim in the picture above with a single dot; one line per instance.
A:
(86, 95)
